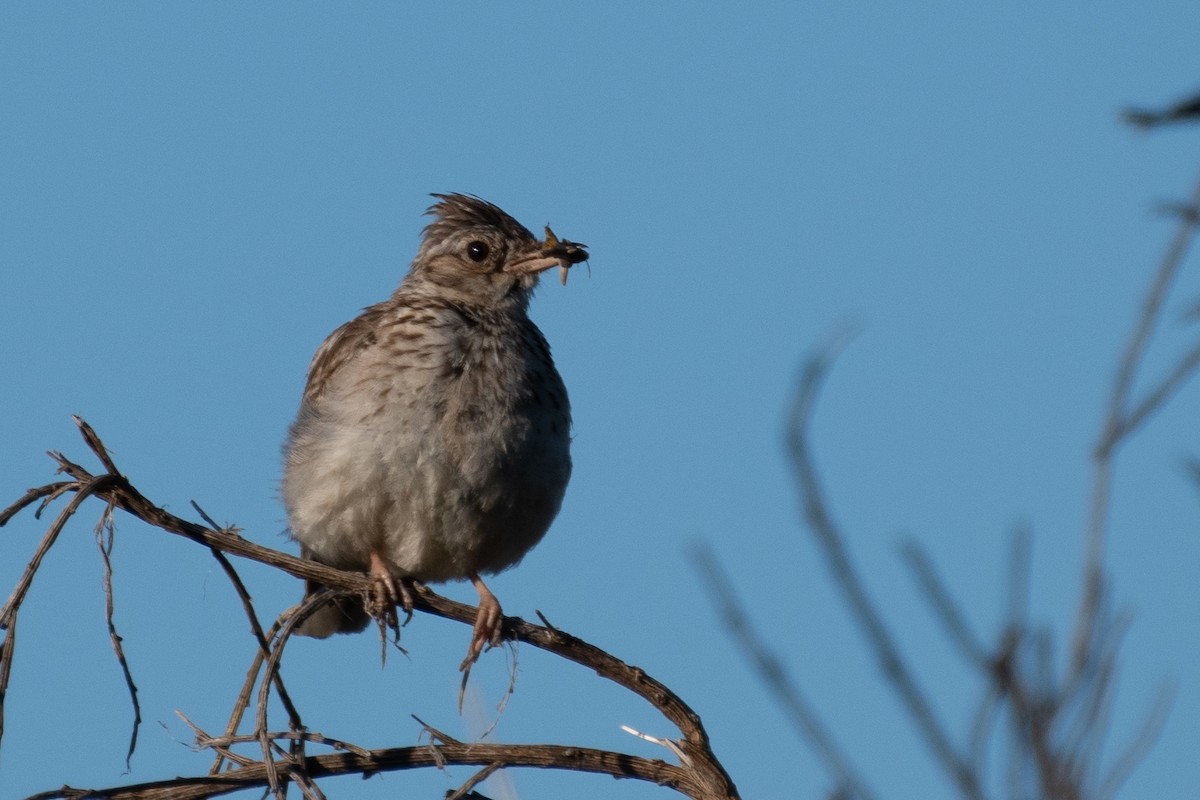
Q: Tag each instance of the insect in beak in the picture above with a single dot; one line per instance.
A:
(567, 252)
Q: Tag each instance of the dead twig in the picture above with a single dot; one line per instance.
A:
(1140, 745)
(831, 543)
(479, 777)
(540, 756)
(105, 537)
(701, 777)
(1125, 415)
(203, 740)
(943, 605)
(775, 677)
(8, 614)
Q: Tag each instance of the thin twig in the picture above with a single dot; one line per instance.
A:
(775, 677)
(221, 746)
(50, 491)
(981, 729)
(7, 647)
(846, 577)
(288, 621)
(255, 626)
(206, 741)
(96, 446)
(259, 636)
(8, 614)
(943, 605)
(1158, 396)
(1133, 755)
(703, 779)
(85, 489)
(1020, 566)
(105, 544)
(1117, 427)
(476, 779)
(242, 701)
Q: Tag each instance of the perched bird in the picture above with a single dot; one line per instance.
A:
(433, 438)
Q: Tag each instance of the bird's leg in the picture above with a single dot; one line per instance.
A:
(390, 590)
(487, 622)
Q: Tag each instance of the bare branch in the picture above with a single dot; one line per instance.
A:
(943, 605)
(50, 492)
(263, 646)
(540, 756)
(1185, 110)
(845, 575)
(1020, 565)
(83, 490)
(775, 677)
(479, 777)
(1157, 397)
(1191, 468)
(243, 699)
(701, 777)
(1137, 749)
(104, 541)
(7, 646)
(8, 614)
(1120, 422)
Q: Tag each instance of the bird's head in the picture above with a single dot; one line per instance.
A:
(476, 253)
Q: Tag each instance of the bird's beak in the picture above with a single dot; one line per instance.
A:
(551, 253)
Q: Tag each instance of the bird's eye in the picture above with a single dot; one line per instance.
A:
(478, 251)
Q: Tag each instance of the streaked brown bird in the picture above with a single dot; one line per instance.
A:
(433, 438)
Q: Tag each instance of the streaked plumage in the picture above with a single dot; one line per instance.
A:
(432, 440)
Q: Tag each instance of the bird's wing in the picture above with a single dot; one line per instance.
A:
(340, 348)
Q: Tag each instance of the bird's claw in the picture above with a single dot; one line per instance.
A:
(388, 590)
(489, 624)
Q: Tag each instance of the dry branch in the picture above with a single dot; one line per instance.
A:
(774, 675)
(1126, 414)
(854, 591)
(577, 759)
(699, 776)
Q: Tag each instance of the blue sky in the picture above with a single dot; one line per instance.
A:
(193, 196)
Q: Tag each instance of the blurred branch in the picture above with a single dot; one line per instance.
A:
(1057, 726)
(1191, 468)
(944, 606)
(1124, 416)
(845, 575)
(1137, 749)
(1186, 110)
(700, 776)
(774, 675)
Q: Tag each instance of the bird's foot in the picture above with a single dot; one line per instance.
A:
(488, 623)
(388, 591)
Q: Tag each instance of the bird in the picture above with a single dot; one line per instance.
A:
(432, 442)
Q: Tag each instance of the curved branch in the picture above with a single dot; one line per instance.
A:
(701, 775)
(541, 756)
(1121, 420)
(867, 615)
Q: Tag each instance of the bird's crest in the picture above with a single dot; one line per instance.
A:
(455, 212)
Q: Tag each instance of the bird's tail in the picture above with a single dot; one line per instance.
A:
(341, 615)
(344, 614)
